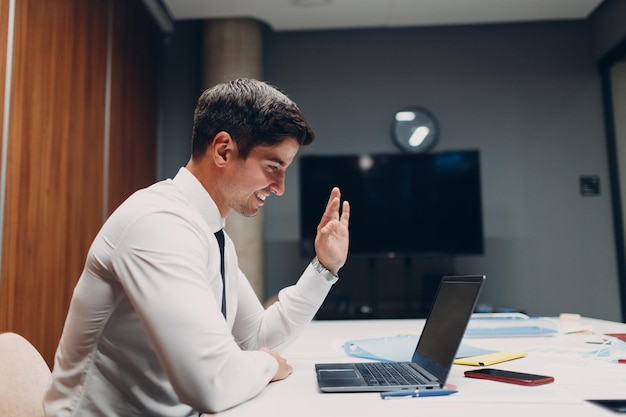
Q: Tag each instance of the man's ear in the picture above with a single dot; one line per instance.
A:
(222, 148)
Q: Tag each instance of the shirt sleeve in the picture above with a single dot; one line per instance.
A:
(284, 320)
(165, 266)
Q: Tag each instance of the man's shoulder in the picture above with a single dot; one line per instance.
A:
(156, 197)
(162, 199)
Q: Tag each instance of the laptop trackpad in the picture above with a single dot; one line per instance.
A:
(338, 374)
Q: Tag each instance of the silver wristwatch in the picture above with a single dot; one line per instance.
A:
(323, 271)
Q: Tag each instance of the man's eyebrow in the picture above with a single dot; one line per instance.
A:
(277, 160)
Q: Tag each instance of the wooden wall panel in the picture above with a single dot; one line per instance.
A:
(4, 27)
(134, 101)
(55, 162)
(55, 167)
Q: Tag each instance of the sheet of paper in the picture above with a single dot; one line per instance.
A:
(398, 348)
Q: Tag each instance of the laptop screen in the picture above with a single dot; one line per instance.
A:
(446, 323)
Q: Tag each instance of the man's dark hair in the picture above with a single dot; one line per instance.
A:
(254, 113)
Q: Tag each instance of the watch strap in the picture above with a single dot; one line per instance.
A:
(323, 271)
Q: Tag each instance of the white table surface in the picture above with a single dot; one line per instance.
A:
(568, 357)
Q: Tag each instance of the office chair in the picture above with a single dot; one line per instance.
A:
(24, 377)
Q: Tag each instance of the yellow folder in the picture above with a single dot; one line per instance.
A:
(490, 358)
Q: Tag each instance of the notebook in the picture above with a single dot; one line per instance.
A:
(434, 354)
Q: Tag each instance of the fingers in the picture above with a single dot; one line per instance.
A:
(332, 207)
(284, 368)
(345, 214)
(332, 216)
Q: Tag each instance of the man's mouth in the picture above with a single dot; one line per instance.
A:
(260, 196)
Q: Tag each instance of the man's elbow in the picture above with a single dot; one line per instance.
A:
(215, 399)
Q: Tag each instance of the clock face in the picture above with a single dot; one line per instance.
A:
(414, 129)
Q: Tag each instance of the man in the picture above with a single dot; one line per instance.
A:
(151, 329)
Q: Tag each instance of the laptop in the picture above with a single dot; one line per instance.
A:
(434, 354)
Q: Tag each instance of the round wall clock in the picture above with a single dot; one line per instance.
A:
(414, 129)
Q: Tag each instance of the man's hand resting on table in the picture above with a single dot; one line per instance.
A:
(284, 369)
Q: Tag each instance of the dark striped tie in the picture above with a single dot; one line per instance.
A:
(219, 235)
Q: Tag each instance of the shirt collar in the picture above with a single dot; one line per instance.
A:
(199, 198)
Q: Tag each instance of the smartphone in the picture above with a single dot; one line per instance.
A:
(511, 377)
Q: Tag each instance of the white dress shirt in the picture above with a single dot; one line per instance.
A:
(145, 336)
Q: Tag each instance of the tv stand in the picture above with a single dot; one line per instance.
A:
(385, 287)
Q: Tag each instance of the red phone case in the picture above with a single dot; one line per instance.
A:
(510, 377)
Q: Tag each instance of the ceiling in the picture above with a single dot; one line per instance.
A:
(283, 15)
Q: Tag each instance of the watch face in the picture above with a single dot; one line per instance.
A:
(414, 129)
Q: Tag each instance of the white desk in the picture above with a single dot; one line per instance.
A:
(576, 377)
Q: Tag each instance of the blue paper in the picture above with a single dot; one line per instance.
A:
(398, 349)
(513, 331)
(509, 325)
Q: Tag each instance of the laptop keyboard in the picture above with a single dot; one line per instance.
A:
(389, 373)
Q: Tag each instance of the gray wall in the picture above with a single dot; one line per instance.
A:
(607, 26)
(179, 88)
(526, 95)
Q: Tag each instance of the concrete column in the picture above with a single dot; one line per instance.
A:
(233, 49)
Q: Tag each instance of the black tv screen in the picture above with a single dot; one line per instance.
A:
(401, 204)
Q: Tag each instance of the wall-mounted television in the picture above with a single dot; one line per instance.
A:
(402, 204)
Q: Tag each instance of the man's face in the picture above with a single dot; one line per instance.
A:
(249, 182)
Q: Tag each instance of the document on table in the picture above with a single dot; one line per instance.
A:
(401, 348)
(509, 325)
